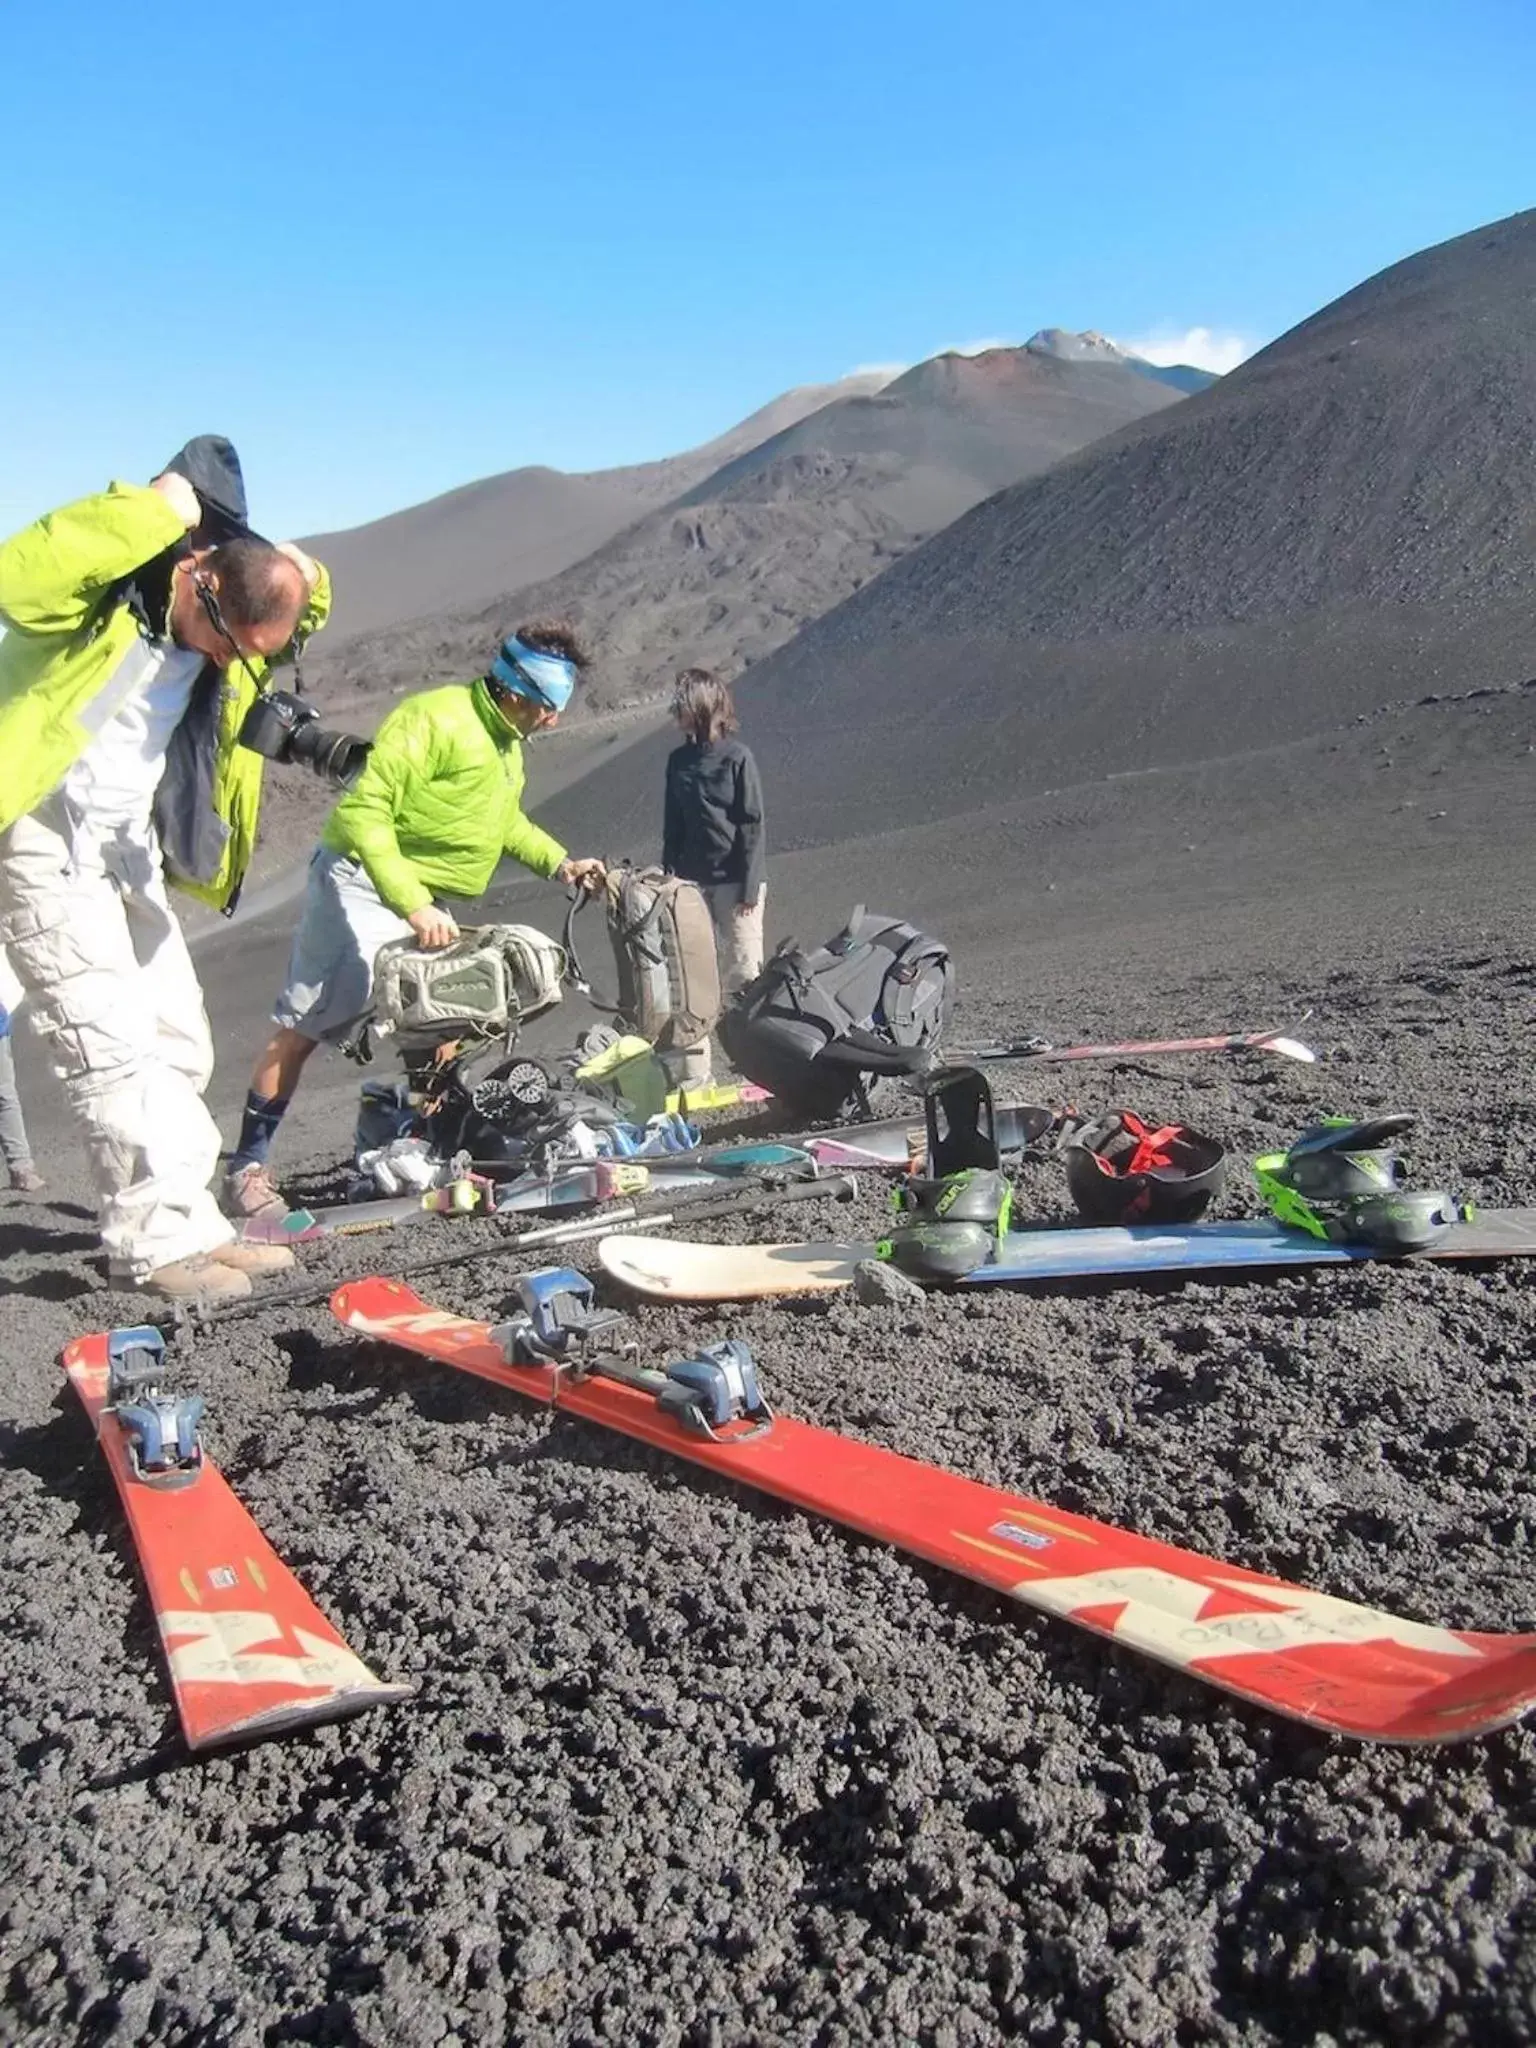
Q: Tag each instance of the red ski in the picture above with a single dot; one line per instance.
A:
(249, 1652)
(1325, 1661)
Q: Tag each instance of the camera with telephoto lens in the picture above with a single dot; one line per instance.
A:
(282, 727)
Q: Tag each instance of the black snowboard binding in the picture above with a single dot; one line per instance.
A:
(960, 1121)
(950, 1225)
(953, 1215)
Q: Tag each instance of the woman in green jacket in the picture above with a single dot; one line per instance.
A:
(437, 805)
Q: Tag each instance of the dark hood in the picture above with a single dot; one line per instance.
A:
(211, 466)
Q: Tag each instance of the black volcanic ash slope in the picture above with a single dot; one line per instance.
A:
(1346, 520)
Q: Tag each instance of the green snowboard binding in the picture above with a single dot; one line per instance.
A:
(1342, 1180)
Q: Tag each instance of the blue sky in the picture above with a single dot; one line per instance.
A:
(391, 248)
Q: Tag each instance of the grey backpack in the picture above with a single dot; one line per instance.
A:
(819, 1022)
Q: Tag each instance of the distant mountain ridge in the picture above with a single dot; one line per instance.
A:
(458, 551)
(465, 546)
(784, 529)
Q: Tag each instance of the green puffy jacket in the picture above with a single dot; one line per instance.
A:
(439, 802)
(71, 629)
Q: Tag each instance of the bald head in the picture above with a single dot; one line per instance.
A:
(259, 593)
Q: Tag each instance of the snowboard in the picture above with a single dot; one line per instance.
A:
(672, 1269)
(250, 1654)
(1328, 1662)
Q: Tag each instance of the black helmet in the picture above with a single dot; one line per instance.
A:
(1121, 1170)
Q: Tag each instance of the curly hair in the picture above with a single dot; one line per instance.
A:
(703, 704)
(555, 636)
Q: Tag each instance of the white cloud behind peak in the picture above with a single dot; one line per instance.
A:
(1205, 348)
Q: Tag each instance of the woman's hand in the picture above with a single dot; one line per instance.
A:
(589, 875)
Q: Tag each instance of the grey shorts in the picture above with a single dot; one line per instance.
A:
(330, 968)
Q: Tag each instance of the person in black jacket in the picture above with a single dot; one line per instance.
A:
(713, 830)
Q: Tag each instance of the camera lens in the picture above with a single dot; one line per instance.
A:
(337, 757)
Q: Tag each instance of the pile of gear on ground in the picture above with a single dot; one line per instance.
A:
(473, 1124)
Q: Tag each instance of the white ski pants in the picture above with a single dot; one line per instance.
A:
(115, 1000)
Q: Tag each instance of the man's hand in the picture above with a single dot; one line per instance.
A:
(745, 909)
(306, 565)
(589, 875)
(180, 496)
(434, 928)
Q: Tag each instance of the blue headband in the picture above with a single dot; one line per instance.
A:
(549, 679)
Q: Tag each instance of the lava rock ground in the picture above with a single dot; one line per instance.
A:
(686, 1767)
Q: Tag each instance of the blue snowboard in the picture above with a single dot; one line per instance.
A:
(1145, 1248)
(672, 1269)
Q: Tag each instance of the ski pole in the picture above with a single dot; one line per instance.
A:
(840, 1187)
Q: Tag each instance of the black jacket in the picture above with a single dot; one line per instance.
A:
(713, 831)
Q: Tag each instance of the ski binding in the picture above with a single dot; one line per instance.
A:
(716, 1390)
(556, 1318)
(557, 1322)
(160, 1431)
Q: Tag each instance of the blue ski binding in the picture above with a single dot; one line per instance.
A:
(714, 1389)
(159, 1430)
(556, 1315)
(557, 1322)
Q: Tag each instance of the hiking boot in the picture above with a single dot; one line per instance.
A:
(199, 1278)
(241, 1257)
(251, 1191)
(26, 1180)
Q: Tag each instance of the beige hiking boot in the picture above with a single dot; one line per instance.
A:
(251, 1192)
(199, 1278)
(241, 1257)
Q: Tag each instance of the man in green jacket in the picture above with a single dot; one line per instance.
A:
(140, 623)
(437, 805)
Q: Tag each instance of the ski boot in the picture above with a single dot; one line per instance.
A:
(949, 1226)
(160, 1431)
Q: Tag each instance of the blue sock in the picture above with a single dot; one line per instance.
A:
(258, 1127)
